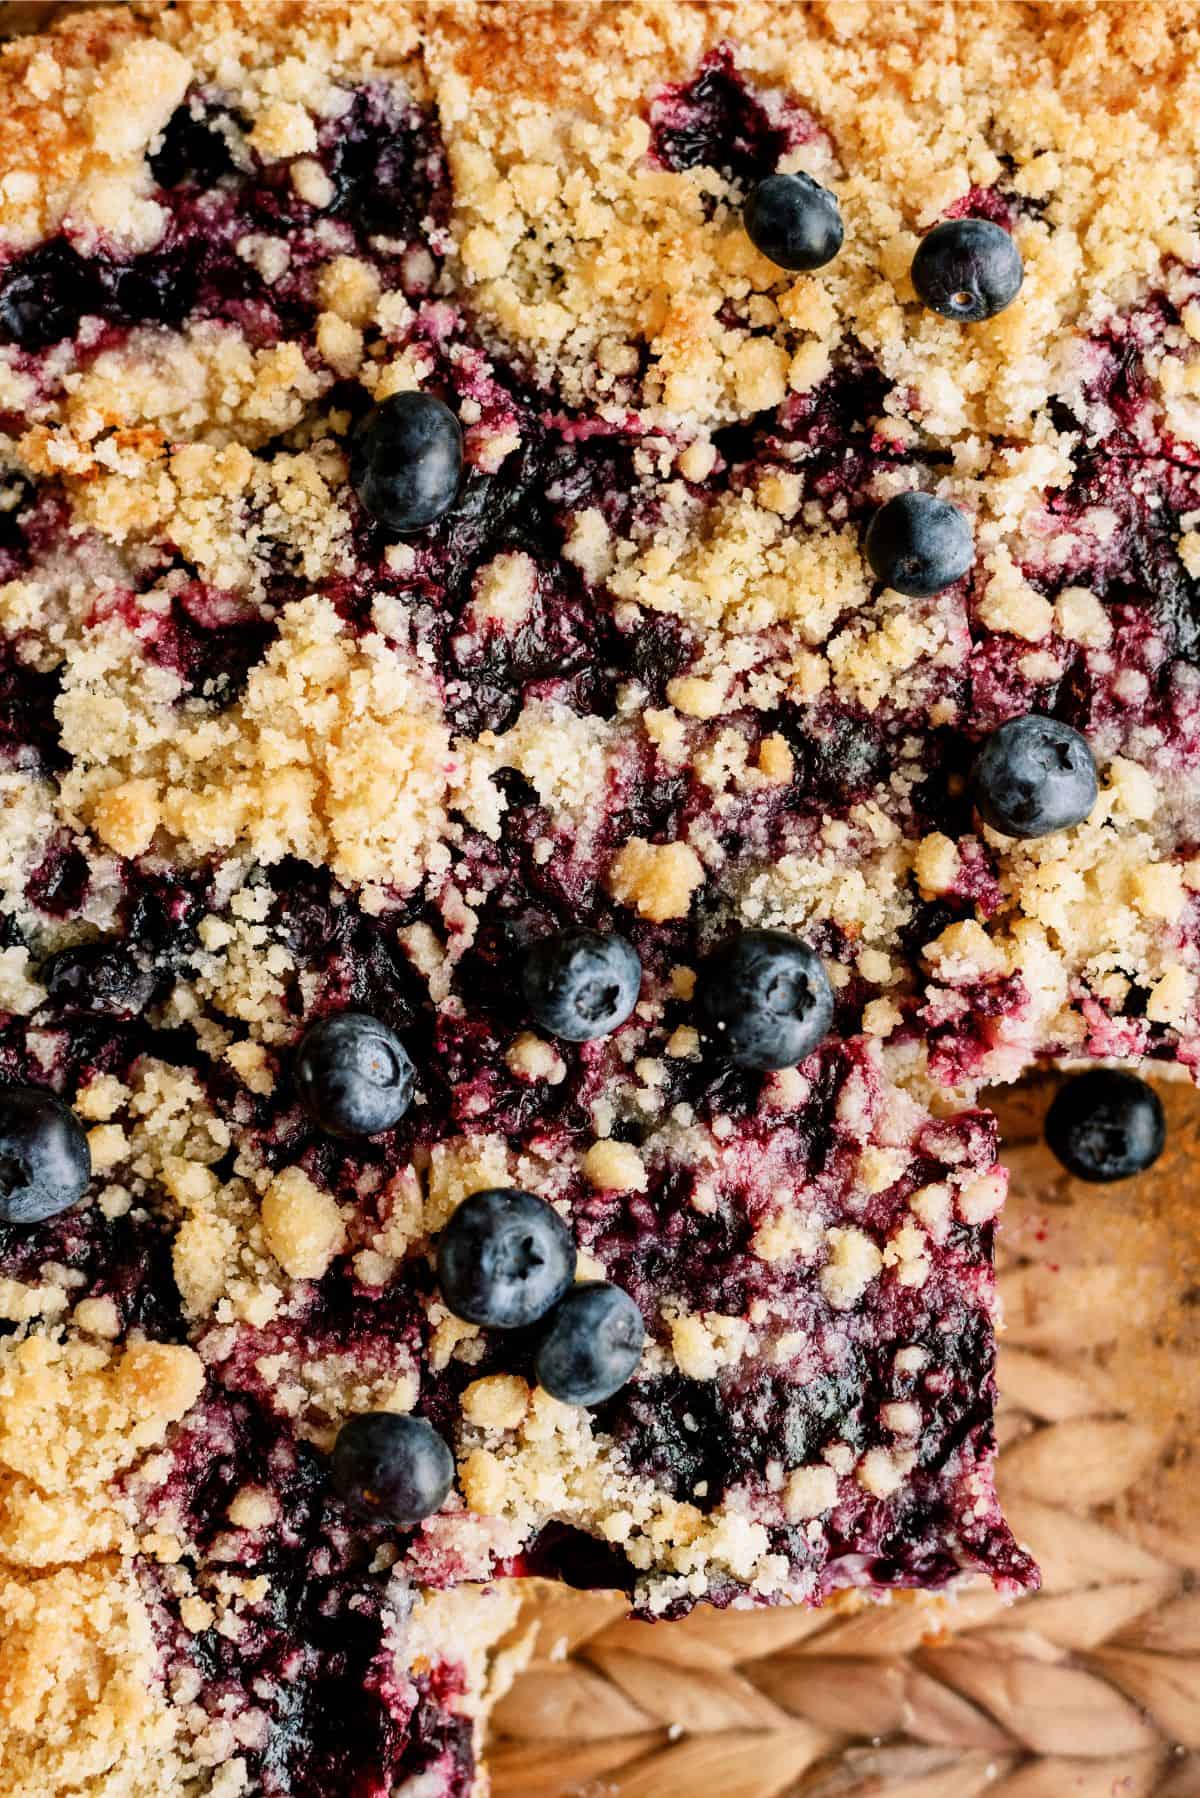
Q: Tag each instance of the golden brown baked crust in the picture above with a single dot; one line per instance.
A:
(576, 276)
(204, 453)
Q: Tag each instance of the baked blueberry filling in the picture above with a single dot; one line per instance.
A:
(195, 146)
(44, 1162)
(310, 1680)
(717, 121)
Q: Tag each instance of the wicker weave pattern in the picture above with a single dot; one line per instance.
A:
(1089, 1689)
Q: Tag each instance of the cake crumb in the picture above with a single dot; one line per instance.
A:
(810, 1492)
(657, 880)
(615, 1167)
(303, 1225)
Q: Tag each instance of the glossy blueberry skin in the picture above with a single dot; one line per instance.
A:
(793, 221)
(504, 1259)
(1106, 1125)
(581, 984)
(918, 544)
(1034, 775)
(353, 1075)
(406, 461)
(593, 1345)
(765, 999)
(391, 1466)
(45, 1162)
(967, 269)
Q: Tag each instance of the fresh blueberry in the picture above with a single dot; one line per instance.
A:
(504, 1258)
(967, 269)
(794, 221)
(580, 984)
(45, 1163)
(44, 295)
(918, 544)
(391, 1466)
(765, 999)
(406, 460)
(353, 1075)
(1106, 1125)
(593, 1345)
(1032, 776)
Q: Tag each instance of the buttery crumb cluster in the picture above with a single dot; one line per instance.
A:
(266, 759)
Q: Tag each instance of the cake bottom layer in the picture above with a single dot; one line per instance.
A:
(113, 1685)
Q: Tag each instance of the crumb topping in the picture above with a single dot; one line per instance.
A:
(81, 1691)
(336, 753)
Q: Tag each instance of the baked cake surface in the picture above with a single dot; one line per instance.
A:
(267, 760)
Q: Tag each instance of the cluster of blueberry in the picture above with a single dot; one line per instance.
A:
(506, 1260)
(1035, 775)
(968, 269)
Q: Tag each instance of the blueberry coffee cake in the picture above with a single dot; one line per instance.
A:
(599, 625)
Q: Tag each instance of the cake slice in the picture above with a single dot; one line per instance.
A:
(251, 1647)
(808, 1254)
